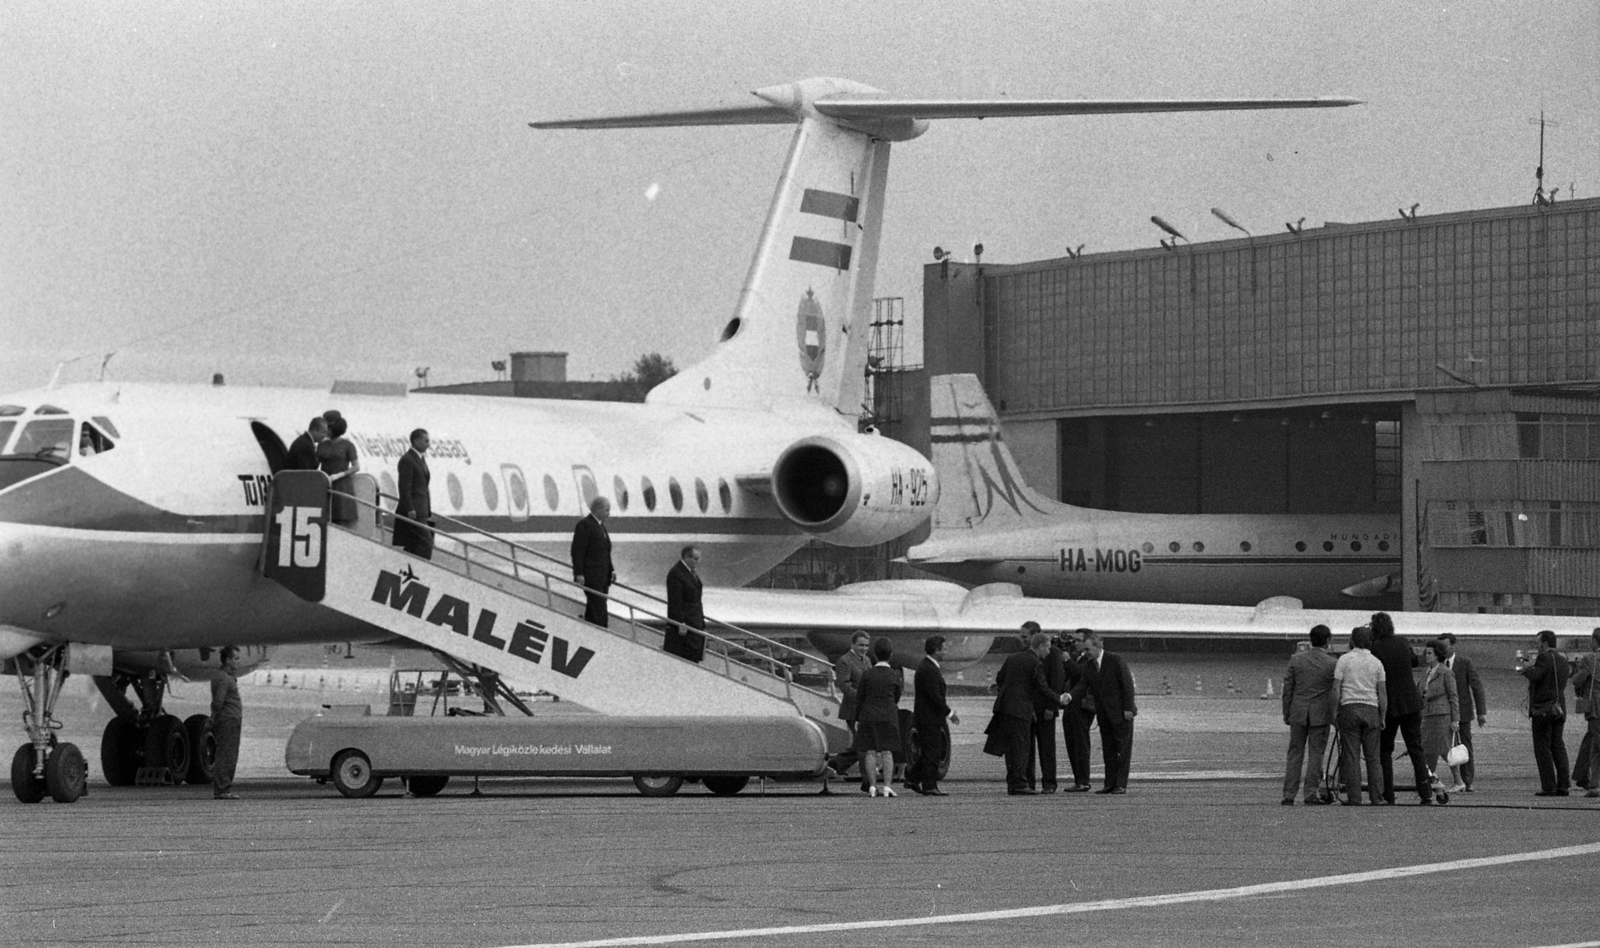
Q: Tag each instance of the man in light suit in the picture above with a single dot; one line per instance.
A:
(591, 561)
(847, 674)
(684, 591)
(1309, 706)
(930, 711)
(1474, 704)
(415, 502)
(1020, 689)
(1108, 678)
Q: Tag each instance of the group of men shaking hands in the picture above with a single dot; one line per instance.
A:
(1071, 677)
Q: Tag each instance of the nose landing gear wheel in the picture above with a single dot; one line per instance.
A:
(28, 787)
(352, 775)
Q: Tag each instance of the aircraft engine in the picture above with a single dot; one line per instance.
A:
(854, 490)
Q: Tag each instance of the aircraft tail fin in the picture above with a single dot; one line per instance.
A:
(980, 484)
(800, 331)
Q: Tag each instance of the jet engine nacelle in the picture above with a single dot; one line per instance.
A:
(854, 490)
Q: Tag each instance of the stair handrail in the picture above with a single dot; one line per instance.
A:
(633, 610)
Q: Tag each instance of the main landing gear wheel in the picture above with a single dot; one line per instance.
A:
(65, 773)
(913, 750)
(29, 787)
(657, 785)
(121, 752)
(725, 786)
(352, 775)
(427, 785)
(202, 749)
(167, 745)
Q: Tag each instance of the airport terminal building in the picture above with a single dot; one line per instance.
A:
(1445, 369)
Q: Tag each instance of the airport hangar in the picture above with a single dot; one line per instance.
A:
(1443, 368)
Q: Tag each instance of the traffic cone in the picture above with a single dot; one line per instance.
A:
(1231, 688)
(1198, 688)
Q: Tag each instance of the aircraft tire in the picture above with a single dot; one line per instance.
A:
(202, 749)
(426, 785)
(944, 749)
(66, 773)
(121, 750)
(27, 787)
(352, 775)
(167, 745)
(657, 785)
(725, 786)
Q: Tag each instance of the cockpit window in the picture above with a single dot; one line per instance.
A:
(92, 441)
(106, 426)
(46, 439)
(49, 410)
(11, 411)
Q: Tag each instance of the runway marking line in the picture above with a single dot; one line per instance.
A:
(1078, 908)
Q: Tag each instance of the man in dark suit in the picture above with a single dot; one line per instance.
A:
(1078, 717)
(1045, 713)
(303, 450)
(1108, 678)
(1020, 687)
(684, 591)
(1547, 673)
(1404, 714)
(591, 561)
(929, 713)
(1309, 706)
(415, 503)
(1474, 704)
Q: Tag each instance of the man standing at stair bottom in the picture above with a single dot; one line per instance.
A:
(591, 561)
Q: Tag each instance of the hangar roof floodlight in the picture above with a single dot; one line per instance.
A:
(1223, 216)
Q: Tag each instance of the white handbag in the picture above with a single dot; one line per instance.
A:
(1457, 755)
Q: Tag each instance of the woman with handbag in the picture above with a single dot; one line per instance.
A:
(1441, 712)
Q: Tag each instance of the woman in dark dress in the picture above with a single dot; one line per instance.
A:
(878, 720)
(337, 458)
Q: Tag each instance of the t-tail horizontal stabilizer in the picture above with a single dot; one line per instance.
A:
(800, 331)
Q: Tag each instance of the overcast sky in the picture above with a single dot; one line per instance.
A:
(292, 193)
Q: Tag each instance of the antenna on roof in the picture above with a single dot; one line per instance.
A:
(1541, 197)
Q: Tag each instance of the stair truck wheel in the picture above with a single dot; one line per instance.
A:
(121, 752)
(426, 785)
(657, 785)
(66, 773)
(28, 787)
(202, 749)
(352, 775)
(725, 786)
(167, 745)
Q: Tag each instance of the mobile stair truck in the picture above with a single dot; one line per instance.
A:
(509, 614)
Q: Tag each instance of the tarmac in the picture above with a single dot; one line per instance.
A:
(1198, 853)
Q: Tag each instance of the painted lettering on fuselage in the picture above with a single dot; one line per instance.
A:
(908, 487)
(528, 641)
(255, 488)
(1086, 560)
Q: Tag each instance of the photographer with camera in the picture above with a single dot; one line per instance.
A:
(1547, 673)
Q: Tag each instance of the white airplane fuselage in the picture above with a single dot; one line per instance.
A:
(153, 543)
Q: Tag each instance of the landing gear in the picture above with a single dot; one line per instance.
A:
(145, 745)
(44, 765)
(202, 748)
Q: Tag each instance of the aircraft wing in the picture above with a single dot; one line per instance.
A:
(999, 608)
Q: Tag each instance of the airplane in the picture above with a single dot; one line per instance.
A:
(990, 526)
(131, 515)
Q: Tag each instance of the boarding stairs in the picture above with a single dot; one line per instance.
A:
(489, 602)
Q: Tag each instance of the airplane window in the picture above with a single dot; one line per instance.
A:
(1199, 547)
(1382, 544)
(649, 491)
(1355, 546)
(1244, 546)
(106, 426)
(1327, 546)
(700, 496)
(517, 491)
(92, 441)
(48, 440)
(552, 493)
(1173, 546)
(1149, 547)
(725, 494)
(49, 410)
(491, 492)
(1300, 546)
(676, 493)
(11, 411)
(452, 484)
(621, 490)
